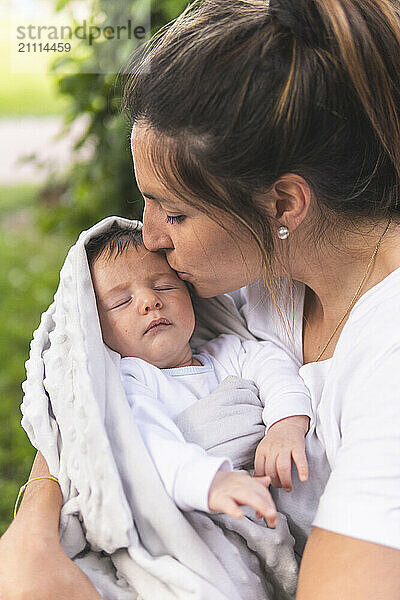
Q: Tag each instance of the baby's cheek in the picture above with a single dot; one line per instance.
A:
(189, 320)
(109, 330)
(103, 325)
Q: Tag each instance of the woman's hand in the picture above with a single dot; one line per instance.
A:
(36, 568)
(230, 490)
(33, 563)
(284, 442)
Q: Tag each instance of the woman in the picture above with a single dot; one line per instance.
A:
(266, 142)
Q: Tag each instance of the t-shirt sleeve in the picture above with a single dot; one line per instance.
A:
(362, 496)
(185, 469)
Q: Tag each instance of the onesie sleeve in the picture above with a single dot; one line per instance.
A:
(276, 374)
(185, 469)
(362, 496)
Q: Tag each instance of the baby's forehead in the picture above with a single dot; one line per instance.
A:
(135, 260)
(147, 262)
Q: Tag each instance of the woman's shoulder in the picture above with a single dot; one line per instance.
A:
(363, 376)
(373, 328)
(381, 298)
(359, 422)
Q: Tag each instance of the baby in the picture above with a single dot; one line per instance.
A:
(146, 315)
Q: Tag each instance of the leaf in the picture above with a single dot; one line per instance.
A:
(60, 4)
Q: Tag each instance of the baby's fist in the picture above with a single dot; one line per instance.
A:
(229, 490)
(284, 441)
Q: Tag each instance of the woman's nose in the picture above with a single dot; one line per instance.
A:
(155, 236)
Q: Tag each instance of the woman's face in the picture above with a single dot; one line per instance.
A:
(202, 252)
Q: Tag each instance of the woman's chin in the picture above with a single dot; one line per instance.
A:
(203, 290)
(210, 291)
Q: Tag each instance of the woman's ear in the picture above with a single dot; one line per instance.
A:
(289, 200)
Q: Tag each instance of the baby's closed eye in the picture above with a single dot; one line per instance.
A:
(120, 303)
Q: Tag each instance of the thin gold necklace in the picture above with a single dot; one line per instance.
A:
(357, 292)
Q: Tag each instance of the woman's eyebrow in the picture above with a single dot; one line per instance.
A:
(151, 197)
(160, 200)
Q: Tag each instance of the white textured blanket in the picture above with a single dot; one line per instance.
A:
(117, 522)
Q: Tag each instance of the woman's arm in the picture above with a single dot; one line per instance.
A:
(336, 566)
(42, 501)
(33, 563)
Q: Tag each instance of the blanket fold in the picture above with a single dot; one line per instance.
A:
(117, 522)
(227, 423)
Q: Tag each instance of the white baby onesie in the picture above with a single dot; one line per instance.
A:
(157, 396)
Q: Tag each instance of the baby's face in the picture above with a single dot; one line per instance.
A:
(145, 310)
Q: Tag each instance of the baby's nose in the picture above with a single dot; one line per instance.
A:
(151, 302)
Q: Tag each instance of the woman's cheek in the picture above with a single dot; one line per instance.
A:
(189, 245)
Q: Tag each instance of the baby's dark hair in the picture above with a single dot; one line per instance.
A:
(113, 242)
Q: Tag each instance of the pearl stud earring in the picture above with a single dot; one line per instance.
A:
(283, 232)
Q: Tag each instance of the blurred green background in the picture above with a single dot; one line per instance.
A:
(39, 221)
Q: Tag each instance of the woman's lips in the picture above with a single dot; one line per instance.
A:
(182, 275)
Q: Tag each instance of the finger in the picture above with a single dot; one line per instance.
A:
(265, 507)
(265, 480)
(284, 468)
(262, 502)
(270, 471)
(259, 464)
(300, 459)
(231, 508)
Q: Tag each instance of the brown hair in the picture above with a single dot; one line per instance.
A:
(113, 242)
(243, 92)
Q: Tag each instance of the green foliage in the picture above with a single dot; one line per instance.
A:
(24, 93)
(104, 184)
(28, 279)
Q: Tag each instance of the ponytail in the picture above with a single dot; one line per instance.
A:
(364, 38)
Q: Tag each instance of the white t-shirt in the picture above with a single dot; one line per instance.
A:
(353, 446)
(157, 396)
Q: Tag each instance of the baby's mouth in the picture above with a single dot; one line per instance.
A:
(157, 324)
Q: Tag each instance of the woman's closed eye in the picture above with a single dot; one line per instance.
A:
(175, 219)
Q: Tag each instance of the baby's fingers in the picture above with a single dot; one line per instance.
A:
(259, 464)
(270, 470)
(284, 468)
(299, 457)
(265, 507)
(231, 508)
(262, 503)
(265, 480)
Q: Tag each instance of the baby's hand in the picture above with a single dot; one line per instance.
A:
(229, 490)
(283, 441)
